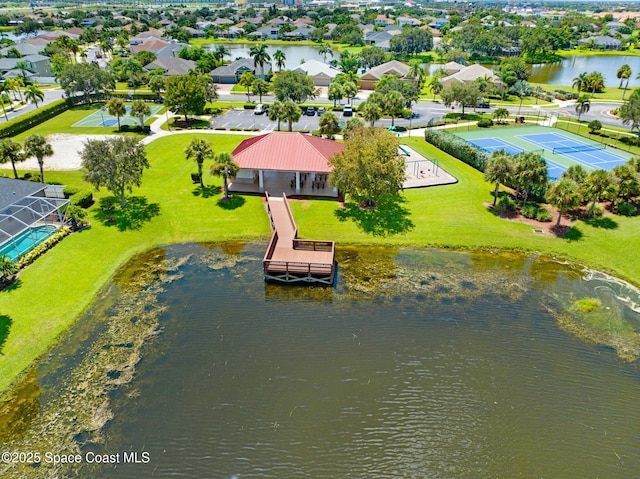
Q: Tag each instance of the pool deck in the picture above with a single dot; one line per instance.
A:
(289, 259)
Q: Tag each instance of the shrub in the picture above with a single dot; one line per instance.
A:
(219, 128)
(316, 133)
(505, 203)
(235, 128)
(594, 126)
(456, 147)
(485, 122)
(83, 198)
(627, 209)
(400, 129)
(544, 215)
(69, 191)
(597, 211)
(529, 211)
(33, 118)
(31, 256)
(249, 106)
(337, 108)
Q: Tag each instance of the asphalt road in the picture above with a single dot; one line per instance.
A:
(49, 97)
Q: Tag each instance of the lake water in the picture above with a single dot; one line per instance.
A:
(419, 363)
(295, 55)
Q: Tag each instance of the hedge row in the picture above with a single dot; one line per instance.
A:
(33, 118)
(457, 148)
(43, 247)
(78, 197)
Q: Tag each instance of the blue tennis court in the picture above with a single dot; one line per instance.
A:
(109, 122)
(589, 154)
(495, 144)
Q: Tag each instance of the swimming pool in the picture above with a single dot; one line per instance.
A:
(26, 241)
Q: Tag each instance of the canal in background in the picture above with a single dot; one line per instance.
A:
(420, 363)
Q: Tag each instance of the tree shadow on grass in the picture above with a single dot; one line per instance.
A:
(14, 284)
(602, 222)
(5, 326)
(571, 234)
(133, 216)
(232, 203)
(388, 218)
(206, 192)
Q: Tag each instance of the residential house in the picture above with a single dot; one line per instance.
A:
(438, 23)
(470, 74)
(151, 44)
(369, 79)
(171, 50)
(412, 22)
(231, 72)
(382, 20)
(321, 73)
(374, 38)
(171, 66)
(453, 67)
(602, 42)
(303, 32)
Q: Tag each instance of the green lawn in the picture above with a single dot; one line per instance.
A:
(57, 288)
(62, 124)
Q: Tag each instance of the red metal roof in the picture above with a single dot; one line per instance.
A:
(286, 152)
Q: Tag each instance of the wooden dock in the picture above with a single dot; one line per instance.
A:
(289, 259)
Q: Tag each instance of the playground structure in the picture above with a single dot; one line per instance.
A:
(421, 172)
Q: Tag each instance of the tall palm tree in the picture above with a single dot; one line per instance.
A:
(499, 170)
(580, 82)
(139, 109)
(36, 145)
(246, 80)
(596, 183)
(564, 195)
(4, 98)
(416, 72)
(583, 105)
(325, 50)
(521, 89)
(260, 56)
(370, 111)
(260, 87)
(199, 150)
(393, 104)
(435, 86)
(279, 57)
(276, 113)
(117, 108)
(335, 92)
(623, 73)
(530, 171)
(223, 165)
(291, 112)
(595, 82)
(33, 94)
(106, 47)
(11, 150)
(221, 52)
(349, 62)
(18, 83)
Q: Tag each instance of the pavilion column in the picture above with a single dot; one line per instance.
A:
(261, 180)
(297, 182)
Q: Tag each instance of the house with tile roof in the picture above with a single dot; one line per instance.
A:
(171, 66)
(267, 162)
(369, 78)
(231, 72)
(321, 73)
(470, 74)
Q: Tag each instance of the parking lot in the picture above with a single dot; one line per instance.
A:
(247, 119)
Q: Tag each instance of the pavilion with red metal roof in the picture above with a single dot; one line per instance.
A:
(291, 161)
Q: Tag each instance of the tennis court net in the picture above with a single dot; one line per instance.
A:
(573, 149)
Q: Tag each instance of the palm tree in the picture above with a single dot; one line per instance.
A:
(246, 80)
(199, 150)
(276, 113)
(117, 108)
(393, 103)
(596, 183)
(291, 112)
(350, 90)
(7, 268)
(36, 145)
(499, 170)
(335, 92)
(260, 56)
(530, 171)
(623, 73)
(564, 195)
(11, 150)
(580, 82)
(416, 72)
(370, 111)
(500, 114)
(106, 47)
(583, 105)
(4, 98)
(595, 82)
(279, 57)
(227, 168)
(521, 89)
(17, 83)
(140, 109)
(435, 86)
(33, 94)
(349, 62)
(260, 87)
(221, 52)
(325, 50)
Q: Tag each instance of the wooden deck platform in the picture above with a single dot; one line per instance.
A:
(290, 259)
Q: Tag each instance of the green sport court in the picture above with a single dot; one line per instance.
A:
(101, 117)
(561, 149)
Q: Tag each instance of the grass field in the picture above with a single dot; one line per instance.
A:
(54, 291)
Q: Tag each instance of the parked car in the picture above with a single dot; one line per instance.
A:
(259, 109)
(347, 111)
(321, 110)
(311, 111)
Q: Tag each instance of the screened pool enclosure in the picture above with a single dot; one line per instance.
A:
(31, 219)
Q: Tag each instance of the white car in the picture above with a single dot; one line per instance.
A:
(347, 111)
(259, 109)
